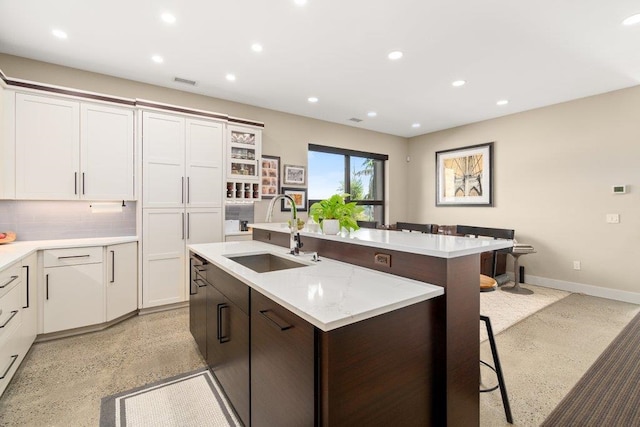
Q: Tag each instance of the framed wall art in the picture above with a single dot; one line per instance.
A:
(270, 176)
(294, 175)
(464, 176)
(299, 195)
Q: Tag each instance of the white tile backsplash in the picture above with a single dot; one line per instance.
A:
(45, 220)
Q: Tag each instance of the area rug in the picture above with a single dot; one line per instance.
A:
(192, 399)
(506, 309)
(608, 394)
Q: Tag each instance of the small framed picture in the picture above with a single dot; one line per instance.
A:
(294, 175)
(464, 176)
(270, 176)
(299, 195)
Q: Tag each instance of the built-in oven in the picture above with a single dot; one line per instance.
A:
(198, 301)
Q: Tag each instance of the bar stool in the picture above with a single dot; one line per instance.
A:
(497, 369)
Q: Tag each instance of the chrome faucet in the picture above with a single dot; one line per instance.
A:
(294, 241)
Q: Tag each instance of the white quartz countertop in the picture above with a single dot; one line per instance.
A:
(14, 251)
(328, 294)
(437, 245)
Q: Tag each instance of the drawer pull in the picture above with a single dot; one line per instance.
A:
(201, 283)
(14, 357)
(74, 256)
(10, 281)
(13, 314)
(273, 322)
(28, 284)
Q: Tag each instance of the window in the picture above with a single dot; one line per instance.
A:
(336, 170)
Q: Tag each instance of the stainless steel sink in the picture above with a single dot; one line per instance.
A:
(265, 262)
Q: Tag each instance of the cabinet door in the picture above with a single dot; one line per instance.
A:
(163, 257)
(163, 147)
(228, 349)
(204, 225)
(47, 148)
(106, 153)
(282, 366)
(29, 300)
(74, 297)
(122, 279)
(204, 163)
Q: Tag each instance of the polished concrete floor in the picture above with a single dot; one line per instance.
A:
(61, 382)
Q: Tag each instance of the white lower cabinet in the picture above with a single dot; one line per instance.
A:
(166, 232)
(12, 350)
(74, 288)
(122, 279)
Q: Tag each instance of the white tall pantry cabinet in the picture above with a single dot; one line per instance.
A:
(182, 168)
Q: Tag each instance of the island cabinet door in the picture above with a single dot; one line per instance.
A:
(228, 349)
(282, 366)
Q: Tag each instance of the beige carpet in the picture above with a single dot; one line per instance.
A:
(506, 309)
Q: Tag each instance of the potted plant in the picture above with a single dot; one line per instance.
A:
(334, 213)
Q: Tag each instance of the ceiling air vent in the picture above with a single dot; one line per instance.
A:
(185, 81)
(354, 119)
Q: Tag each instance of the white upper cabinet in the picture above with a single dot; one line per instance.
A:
(163, 143)
(204, 154)
(47, 148)
(182, 161)
(67, 150)
(106, 153)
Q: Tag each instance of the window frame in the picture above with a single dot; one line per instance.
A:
(348, 153)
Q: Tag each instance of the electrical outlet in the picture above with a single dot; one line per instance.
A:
(576, 265)
(382, 259)
(613, 218)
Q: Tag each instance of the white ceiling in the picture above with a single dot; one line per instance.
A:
(533, 53)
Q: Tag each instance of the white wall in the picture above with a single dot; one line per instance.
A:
(553, 172)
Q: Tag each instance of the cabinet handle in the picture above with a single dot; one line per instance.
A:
(199, 281)
(188, 191)
(74, 256)
(182, 189)
(75, 183)
(113, 266)
(182, 225)
(46, 278)
(28, 283)
(274, 322)
(10, 281)
(14, 357)
(188, 226)
(82, 182)
(222, 338)
(13, 314)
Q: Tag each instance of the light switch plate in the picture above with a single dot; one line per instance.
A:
(613, 218)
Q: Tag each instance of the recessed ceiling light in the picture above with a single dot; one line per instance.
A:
(395, 55)
(168, 18)
(415, 125)
(458, 83)
(632, 20)
(59, 34)
(256, 47)
(372, 114)
(231, 77)
(300, 2)
(312, 99)
(157, 59)
(502, 102)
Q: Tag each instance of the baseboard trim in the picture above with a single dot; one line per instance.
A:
(83, 330)
(166, 307)
(596, 291)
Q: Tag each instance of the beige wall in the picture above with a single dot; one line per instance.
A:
(285, 135)
(553, 172)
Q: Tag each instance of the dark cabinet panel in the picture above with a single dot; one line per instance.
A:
(283, 352)
(198, 306)
(228, 348)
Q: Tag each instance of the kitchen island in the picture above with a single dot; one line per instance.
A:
(372, 348)
(449, 261)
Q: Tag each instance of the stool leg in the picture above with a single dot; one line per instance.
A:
(496, 362)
